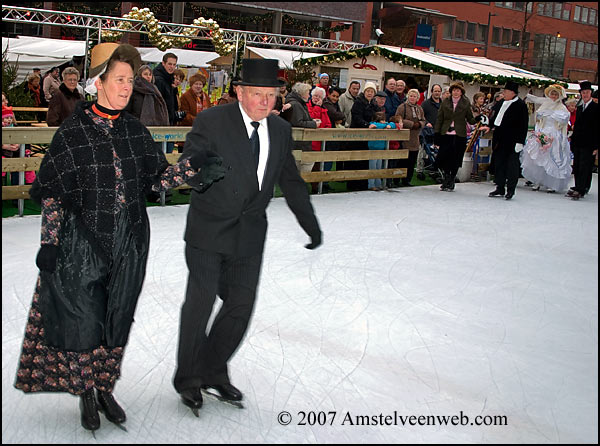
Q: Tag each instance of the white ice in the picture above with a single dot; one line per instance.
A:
(419, 302)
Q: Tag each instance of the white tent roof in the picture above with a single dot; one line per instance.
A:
(189, 58)
(43, 53)
(286, 58)
(37, 52)
(465, 64)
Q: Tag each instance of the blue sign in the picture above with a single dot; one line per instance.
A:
(423, 36)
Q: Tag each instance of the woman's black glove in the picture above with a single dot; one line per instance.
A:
(46, 258)
(315, 241)
(211, 171)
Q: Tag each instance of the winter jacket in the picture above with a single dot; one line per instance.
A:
(392, 102)
(50, 86)
(447, 114)
(346, 103)
(164, 83)
(380, 145)
(334, 112)
(413, 119)
(430, 109)
(300, 117)
(363, 112)
(147, 104)
(188, 104)
(318, 112)
(62, 105)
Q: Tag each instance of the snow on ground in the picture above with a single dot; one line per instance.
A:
(419, 302)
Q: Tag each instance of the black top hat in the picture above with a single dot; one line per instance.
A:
(512, 86)
(259, 73)
(585, 85)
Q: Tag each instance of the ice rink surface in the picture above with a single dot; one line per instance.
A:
(419, 303)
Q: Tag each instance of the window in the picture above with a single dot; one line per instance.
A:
(580, 48)
(516, 38)
(540, 8)
(459, 30)
(577, 13)
(595, 51)
(526, 40)
(548, 7)
(448, 29)
(520, 6)
(565, 14)
(587, 53)
(584, 15)
(481, 33)
(471, 31)
(592, 17)
(557, 10)
(529, 6)
(496, 35)
(573, 48)
(506, 36)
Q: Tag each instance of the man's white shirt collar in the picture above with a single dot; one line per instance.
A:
(263, 135)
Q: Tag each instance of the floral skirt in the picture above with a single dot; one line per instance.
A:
(43, 368)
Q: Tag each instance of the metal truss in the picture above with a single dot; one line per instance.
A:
(15, 14)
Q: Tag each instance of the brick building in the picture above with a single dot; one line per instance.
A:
(560, 39)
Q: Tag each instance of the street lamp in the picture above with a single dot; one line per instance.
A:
(487, 37)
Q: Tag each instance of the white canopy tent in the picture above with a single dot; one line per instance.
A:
(43, 53)
(37, 52)
(285, 58)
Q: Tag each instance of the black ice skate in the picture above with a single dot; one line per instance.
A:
(225, 393)
(192, 398)
(111, 409)
(90, 419)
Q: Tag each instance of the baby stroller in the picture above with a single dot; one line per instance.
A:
(426, 139)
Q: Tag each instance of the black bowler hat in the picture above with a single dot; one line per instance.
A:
(259, 73)
(512, 86)
(585, 85)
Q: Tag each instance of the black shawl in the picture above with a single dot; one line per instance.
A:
(79, 170)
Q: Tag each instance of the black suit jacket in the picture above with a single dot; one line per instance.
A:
(513, 128)
(230, 217)
(585, 130)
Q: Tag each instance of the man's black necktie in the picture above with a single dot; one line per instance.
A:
(255, 142)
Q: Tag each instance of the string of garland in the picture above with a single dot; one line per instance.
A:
(403, 59)
(163, 42)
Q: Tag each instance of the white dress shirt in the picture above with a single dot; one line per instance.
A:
(263, 135)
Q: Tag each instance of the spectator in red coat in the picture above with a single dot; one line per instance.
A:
(317, 111)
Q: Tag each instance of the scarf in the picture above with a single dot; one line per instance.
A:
(503, 108)
(154, 108)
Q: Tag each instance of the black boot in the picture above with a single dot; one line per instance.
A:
(496, 193)
(451, 182)
(111, 409)
(225, 391)
(90, 419)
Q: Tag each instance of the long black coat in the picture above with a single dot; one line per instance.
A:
(513, 129)
(585, 131)
(230, 217)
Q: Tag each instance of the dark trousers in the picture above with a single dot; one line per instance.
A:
(202, 357)
(507, 168)
(583, 166)
(451, 153)
(409, 164)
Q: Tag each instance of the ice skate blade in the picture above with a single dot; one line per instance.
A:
(217, 397)
(195, 412)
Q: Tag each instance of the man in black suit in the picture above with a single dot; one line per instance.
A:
(227, 224)
(510, 130)
(584, 142)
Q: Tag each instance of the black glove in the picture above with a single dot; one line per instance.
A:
(315, 241)
(200, 158)
(179, 115)
(483, 119)
(46, 258)
(210, 172)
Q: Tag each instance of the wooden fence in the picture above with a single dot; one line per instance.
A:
(44, 135)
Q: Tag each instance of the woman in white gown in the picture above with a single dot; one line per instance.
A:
(546, 158)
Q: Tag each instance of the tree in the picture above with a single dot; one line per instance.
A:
(527, 15)
(15, 94)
